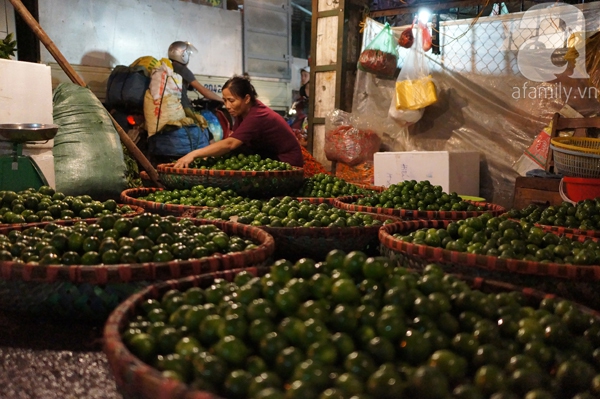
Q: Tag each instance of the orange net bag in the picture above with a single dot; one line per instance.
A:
(363, 173)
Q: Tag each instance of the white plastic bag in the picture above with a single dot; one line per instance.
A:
(404, 117)
(414, 88)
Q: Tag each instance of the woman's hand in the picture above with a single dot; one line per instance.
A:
(184, 161)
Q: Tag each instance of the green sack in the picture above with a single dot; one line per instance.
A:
(88, 157)
(380, 56)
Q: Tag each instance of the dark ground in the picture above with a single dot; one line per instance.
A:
(51, 360)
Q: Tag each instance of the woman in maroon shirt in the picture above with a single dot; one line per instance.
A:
(257, 127)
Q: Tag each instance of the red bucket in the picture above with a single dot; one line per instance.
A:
(575, 189)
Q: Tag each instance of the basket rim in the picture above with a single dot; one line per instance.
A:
(494, 209)
(130, 197)
(564, 143)
(167, 168)
(137, 210)
(568, 231)
(577, 153)
(150, 271)
(435, 254)
(326, 231)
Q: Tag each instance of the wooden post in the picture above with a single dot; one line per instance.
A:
(75, 78)
(335, 49)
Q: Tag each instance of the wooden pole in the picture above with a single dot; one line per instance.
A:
(75, 78)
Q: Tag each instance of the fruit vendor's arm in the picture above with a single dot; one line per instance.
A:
(211, 95)
(213, 150)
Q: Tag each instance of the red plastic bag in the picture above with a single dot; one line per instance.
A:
(347, 143)
(426, 36)
(407, 38)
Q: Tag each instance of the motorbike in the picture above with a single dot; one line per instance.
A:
(219, 120)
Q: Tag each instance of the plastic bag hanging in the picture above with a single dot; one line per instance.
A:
(407, 38)
(414, 86)
(380, 57)
(427, 42)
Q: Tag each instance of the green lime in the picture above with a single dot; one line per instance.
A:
(429, 383)
(353, 263)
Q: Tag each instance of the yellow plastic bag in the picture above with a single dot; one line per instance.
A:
(415, 89)
(415, 94)
(147, 62)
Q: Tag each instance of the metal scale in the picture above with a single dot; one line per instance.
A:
(17, 171)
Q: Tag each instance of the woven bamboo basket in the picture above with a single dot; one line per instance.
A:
(146, 180)
(136, 210)
(91, 292)
(255, 184)
(573, 232)
(578, 283)
(347, 203)
(131, 196)
(315, 242)
(136, 379)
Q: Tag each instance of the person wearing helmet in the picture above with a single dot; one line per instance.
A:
(304, 75)
(257, 129)
(179, 54)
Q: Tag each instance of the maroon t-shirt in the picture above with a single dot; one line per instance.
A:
(266, 133)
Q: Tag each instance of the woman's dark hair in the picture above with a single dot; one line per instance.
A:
(240, 86)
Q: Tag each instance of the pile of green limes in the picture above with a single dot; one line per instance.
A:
(584, 215)
(113, 240)
(422, 196)
(358, 327)
(240, 162)
(288, 212)
(506, 238)
(326, 186)
(197, 196)
(45, 205)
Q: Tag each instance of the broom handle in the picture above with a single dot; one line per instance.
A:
(75, 78)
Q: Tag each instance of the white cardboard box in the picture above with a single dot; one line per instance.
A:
(454, 171)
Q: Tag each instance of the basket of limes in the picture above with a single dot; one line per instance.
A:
(325, 188)
(83, 269)
(46, 205)
(247, 175)
(177, 202)
(418, 200)
(566, 218)
(303, 228)
(349, 327)
(501, 249)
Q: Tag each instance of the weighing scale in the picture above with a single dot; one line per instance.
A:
(17, 171)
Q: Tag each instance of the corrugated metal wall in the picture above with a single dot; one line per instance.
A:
(112, 32)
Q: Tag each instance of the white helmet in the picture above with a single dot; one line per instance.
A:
(180, 51)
